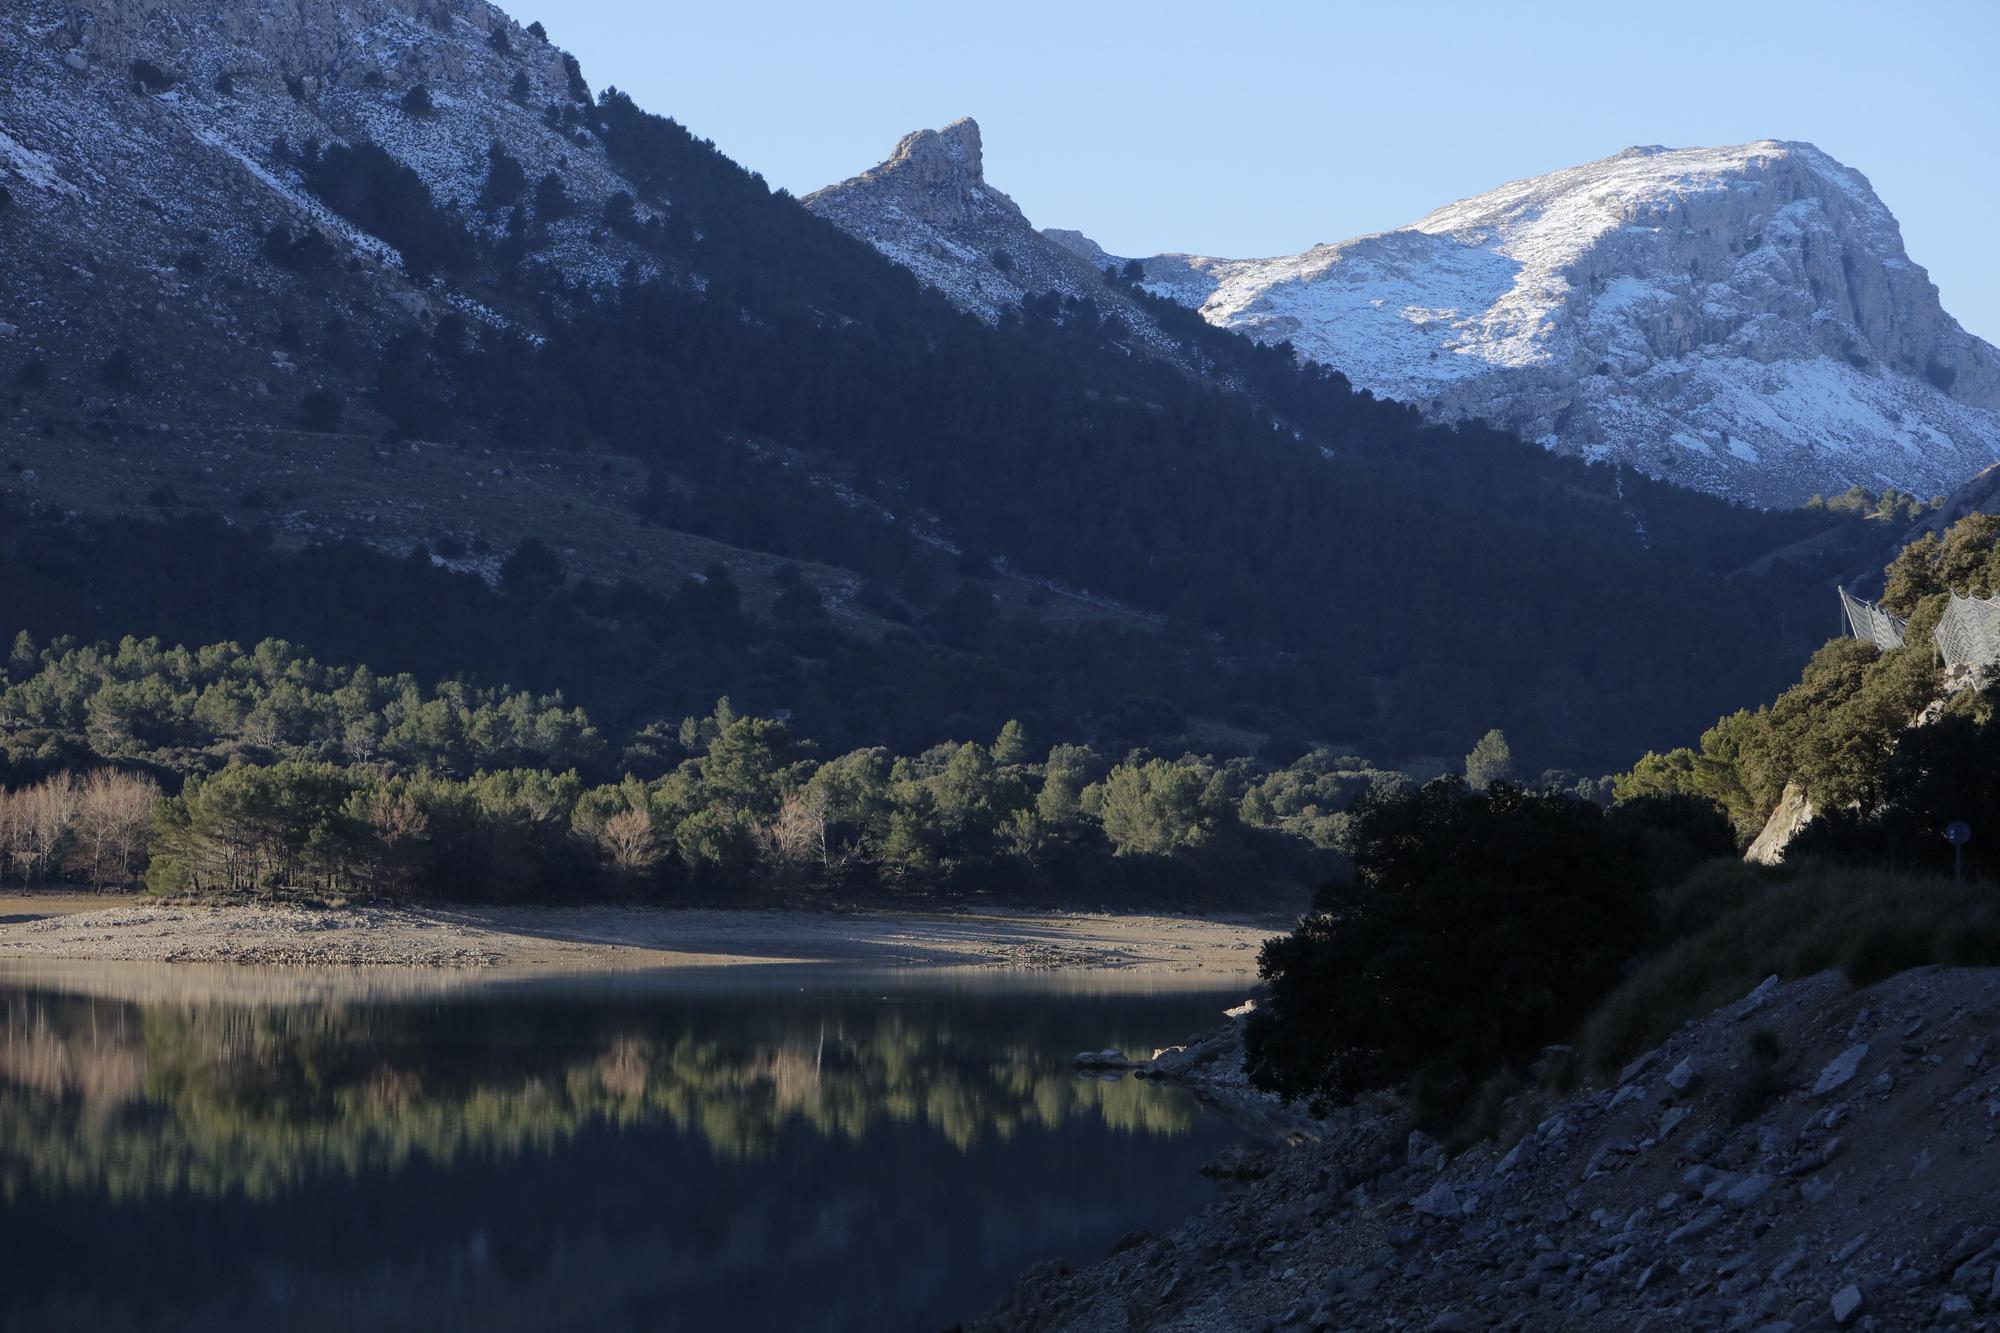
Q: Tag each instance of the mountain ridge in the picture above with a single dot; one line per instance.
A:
(929, 207)
(386, 272)
(1743, 320)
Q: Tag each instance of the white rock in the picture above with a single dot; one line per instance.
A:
(1681, 1075)
(1845, 1302)
(1742, 319)
(1759, 996)
(1514, 1157)
(1840, 1070)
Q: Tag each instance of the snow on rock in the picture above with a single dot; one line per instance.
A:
(930, 209)
(1743, 320)
(164, 193)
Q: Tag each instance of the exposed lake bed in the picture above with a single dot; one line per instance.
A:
(613, 936)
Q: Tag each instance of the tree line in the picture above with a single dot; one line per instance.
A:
(181, 710)
(754, 812)
(261, 770)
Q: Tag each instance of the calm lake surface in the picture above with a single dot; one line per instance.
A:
(755, 1148)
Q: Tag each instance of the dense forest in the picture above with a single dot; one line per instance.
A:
(1267, 505)
(955, 666)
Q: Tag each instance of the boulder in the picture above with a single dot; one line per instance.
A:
(1840, 1070)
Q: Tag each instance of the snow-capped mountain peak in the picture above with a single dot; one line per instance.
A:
(1742, 319)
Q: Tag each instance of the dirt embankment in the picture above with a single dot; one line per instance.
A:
(597, 937)
(1809, 1158)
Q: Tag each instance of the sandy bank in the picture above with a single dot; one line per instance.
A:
(608, 937)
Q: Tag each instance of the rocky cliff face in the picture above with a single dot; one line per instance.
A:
(1742, 320)
(930, 208)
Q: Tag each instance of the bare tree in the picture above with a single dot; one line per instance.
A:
(629, 840)
(399, 826)
(51, 807)
(799, 831)
(14, 853)
(114, 822)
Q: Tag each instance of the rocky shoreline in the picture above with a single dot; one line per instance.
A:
(1812, 1157)
(1211, 1068)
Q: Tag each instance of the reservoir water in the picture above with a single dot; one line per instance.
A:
(749, 1148)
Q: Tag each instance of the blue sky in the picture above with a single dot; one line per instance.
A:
(1257, 129)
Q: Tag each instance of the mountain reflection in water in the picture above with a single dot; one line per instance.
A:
(778, 1148)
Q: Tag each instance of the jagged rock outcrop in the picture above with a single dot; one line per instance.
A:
(930, 208)
(1809, 1157)
(1793, 813)
(1743, 320)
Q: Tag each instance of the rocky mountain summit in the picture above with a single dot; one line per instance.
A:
(1742, 320)
(929, 208)
(1810, 1157)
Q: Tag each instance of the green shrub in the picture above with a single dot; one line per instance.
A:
(1475, 928)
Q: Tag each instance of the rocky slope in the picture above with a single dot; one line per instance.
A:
(149, 149)
(930, 208)
(1809, 1158)
(1743, 320)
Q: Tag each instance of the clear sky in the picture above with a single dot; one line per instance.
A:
(1261, 128)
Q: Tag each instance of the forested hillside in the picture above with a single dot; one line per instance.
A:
(1269, 555)
(1880, 743)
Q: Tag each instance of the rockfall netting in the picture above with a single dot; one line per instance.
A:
(1865, 620)
(1969, 633)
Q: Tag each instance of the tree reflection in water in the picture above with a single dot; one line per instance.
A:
(855, 1153)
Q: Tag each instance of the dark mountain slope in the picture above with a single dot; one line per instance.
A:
(623, 294)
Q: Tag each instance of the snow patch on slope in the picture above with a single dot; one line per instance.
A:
(1740, 319)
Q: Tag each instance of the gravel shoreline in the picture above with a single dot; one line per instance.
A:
(608, 937)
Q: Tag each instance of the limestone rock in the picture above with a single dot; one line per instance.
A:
(1743, 320)
(1840, 1070)
(1794, 812)
(930, 208)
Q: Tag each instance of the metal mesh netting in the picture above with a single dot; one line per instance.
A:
(1969, 633)
(1869, 621)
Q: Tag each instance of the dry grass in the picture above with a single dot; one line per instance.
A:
(1733, 925)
